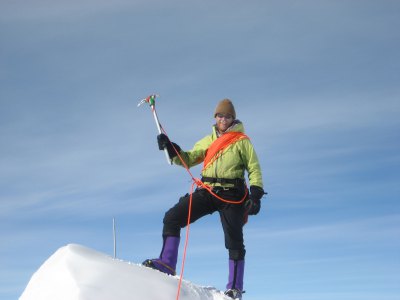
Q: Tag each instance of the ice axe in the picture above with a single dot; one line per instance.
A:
(151, 100)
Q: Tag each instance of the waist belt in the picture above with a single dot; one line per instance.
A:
(237, 182)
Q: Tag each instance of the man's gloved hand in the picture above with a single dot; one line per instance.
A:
(164, 143)
(253, 204)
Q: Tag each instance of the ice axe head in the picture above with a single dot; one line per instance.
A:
(151, 100)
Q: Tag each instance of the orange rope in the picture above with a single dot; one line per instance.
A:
(186, 242)
(218, 146)
(200, 184)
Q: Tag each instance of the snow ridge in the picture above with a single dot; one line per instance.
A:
(75, 272)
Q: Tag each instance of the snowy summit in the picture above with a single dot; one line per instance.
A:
(75, 272)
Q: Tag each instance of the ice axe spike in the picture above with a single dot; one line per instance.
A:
(152, 102)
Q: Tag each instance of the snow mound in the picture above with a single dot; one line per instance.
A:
(75, 272)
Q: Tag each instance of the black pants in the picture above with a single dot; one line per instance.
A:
(203, 203)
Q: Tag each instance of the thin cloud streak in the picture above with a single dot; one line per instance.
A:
(365, 230)
(315, 83)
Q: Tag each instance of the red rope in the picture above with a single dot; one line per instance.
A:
(186, 242)
(200, 184)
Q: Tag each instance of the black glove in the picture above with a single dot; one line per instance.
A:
(164, 143)
(253, 204)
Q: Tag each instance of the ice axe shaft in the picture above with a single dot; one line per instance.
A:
(151, 101)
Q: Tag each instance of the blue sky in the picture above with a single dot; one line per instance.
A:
(316, 84)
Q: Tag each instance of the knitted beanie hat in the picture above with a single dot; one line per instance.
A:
(225, 107)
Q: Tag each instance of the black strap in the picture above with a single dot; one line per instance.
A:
(238, 182)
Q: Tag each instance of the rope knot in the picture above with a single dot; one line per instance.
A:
(198, 182)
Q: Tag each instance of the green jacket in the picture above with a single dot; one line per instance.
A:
(233, 163)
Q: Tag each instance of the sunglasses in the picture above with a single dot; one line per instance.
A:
(227, 117)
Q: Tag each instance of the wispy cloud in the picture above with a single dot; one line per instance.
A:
(370, 230)
(54, 10)
(316, 85)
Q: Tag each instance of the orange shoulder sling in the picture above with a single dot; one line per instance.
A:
(220, 144)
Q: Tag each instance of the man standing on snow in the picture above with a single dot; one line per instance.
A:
(226, 153)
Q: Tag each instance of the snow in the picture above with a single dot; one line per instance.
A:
(75, 272)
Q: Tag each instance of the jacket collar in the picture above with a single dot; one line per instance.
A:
(237, 125)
